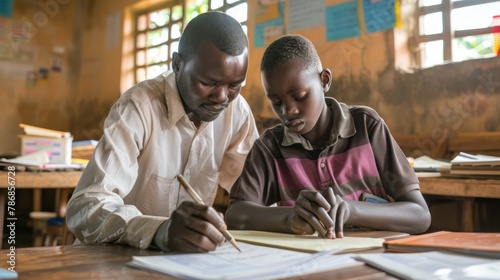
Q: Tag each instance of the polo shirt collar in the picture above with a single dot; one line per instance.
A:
(343, 126)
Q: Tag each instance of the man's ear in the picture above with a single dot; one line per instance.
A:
(176, 62)
(326, 79)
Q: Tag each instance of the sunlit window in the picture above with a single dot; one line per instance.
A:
(158, 30)
(456, 30)
(157, 33)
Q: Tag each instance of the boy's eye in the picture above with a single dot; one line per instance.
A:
(275, 103)
(301, 98)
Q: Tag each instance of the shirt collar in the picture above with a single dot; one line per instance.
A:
(343, 126)
(175, 109)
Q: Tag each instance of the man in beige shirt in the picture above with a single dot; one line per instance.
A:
(189, 121)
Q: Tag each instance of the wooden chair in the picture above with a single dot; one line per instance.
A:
(57, 233)
(39, 221)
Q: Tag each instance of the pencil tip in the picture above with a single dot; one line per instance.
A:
(235, 245)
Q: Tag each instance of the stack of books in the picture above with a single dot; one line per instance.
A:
(43, 149)
(83, 149)
(56, 143)
(476, 165)
(425, 166)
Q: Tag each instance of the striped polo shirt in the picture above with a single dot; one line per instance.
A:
(360, 157)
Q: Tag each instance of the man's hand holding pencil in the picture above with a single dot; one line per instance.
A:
(193, 227)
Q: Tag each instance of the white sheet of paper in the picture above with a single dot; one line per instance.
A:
(253, 261)
(434, 265)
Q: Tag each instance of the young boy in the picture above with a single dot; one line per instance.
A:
(325, 163)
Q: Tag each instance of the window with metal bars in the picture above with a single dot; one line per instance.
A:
(158, 30)
(457, 30)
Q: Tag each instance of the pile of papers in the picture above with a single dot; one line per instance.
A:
(477, 165)
(266, 257)
(253, 262)
(434, 265)
(428, 164)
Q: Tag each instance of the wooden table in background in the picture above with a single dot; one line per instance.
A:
(109, 261)
(63, 181)
(465, 189)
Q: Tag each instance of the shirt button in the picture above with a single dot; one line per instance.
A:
(322, 165)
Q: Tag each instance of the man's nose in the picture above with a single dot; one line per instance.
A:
(220, 95)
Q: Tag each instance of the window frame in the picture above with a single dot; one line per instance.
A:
(163, 5)
(446, 7)
(136, 32)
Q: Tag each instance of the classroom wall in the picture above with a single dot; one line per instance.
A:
(459, 96)
(31, 40)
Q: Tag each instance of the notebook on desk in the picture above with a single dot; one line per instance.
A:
(473, 243)
(308, 243)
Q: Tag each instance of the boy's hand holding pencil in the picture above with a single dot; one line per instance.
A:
(322, 212)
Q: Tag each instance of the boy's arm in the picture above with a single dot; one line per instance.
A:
(408, 214)
(247, 215)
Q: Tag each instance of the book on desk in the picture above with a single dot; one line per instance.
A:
(483, 244)
(479, 165)
(440, 255)
(263, 256)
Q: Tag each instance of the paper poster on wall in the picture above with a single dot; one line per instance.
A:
(342, 21)
(31, 79)
(43, 75)
(379, 15)
(15, 63)
(6, 7)
(56, 64)
(304, 14)
(268, 23)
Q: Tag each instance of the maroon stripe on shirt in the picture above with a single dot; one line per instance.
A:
(296, 174)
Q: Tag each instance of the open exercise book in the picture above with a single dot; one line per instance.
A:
(256, 261)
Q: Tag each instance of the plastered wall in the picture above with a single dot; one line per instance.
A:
(460, 96)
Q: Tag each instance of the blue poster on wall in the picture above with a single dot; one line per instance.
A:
(379, 15)
(268, 23)
(342, 21)
(6, 7)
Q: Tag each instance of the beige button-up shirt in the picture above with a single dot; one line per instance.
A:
(129, 186)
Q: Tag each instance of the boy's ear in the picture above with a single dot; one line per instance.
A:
(326, 79)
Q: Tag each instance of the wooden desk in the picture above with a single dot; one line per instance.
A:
(466, 189)
(64, 181)
(106, 261)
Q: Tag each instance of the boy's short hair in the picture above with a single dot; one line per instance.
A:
(220, 29)
(290, 48)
